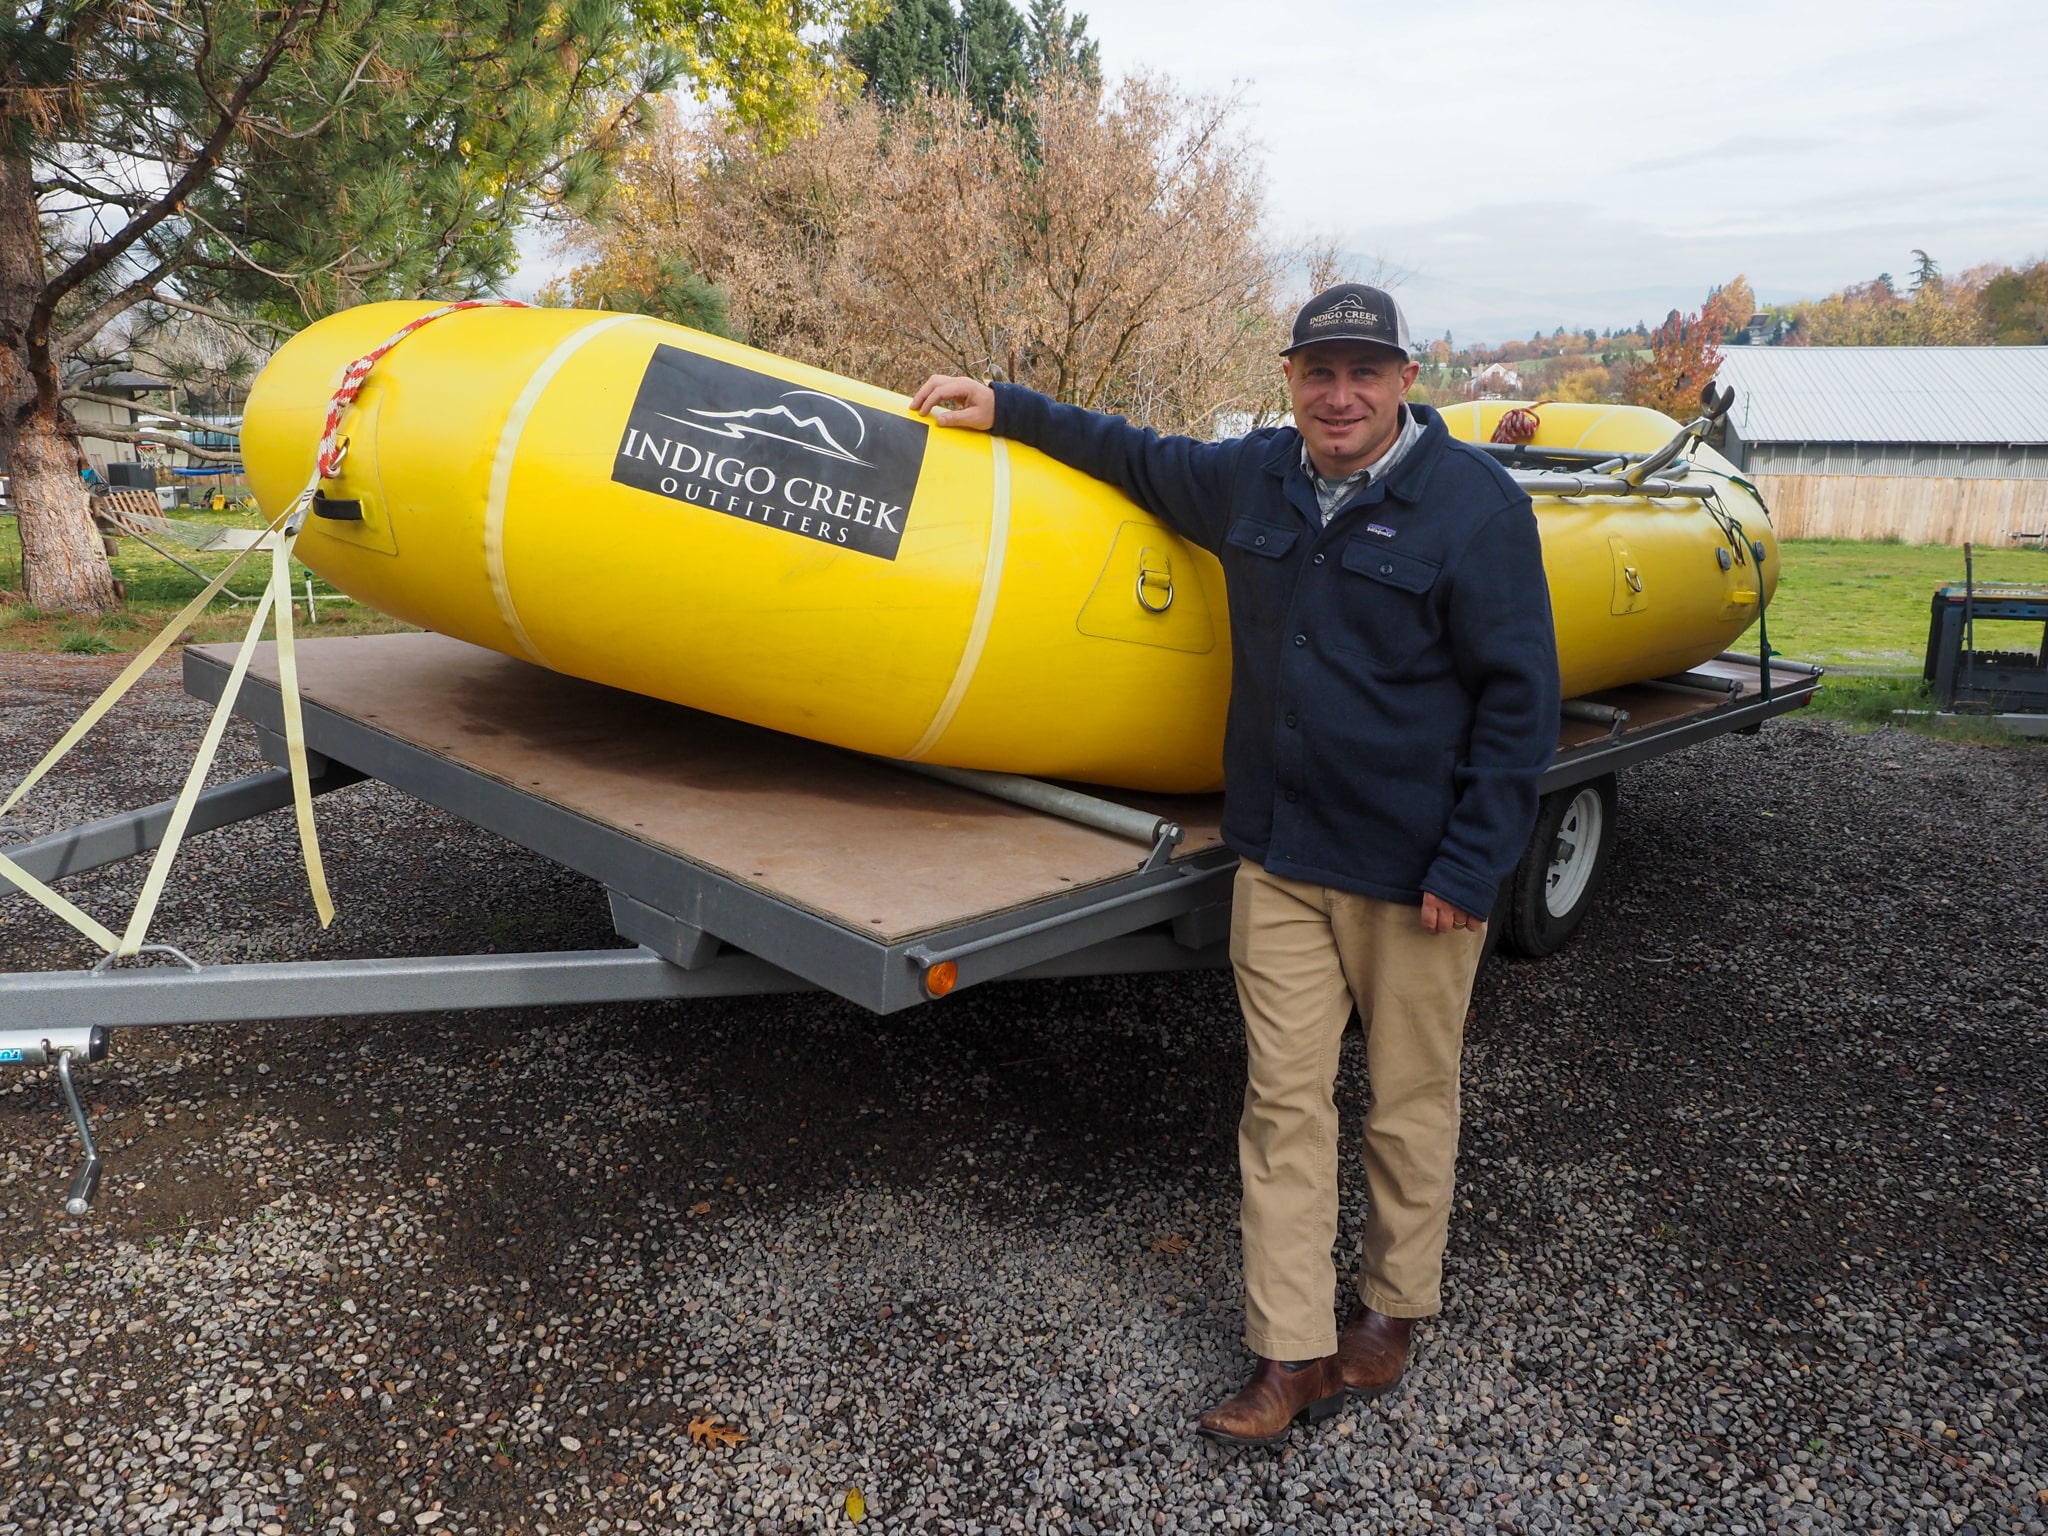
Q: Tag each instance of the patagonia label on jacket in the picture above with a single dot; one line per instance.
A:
(753, 446)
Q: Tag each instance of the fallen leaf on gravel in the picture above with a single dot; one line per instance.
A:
(1173, 1242)
(856, 1506)
(708, 1431)
(701, 1208)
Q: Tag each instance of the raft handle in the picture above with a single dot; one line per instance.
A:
(1144, 603)
(336, 510)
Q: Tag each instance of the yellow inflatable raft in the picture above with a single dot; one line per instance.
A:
(1640, 585)
(671, 513)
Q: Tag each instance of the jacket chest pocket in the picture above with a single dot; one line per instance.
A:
(1259, 570)
(1389, 612)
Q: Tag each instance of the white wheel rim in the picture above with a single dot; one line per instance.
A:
(1573, 856)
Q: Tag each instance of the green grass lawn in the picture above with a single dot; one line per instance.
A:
(158, 588)
(1861, 610)
(1863, 607)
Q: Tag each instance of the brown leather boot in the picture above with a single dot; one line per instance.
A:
(1374, 1350)
(1275, 1398)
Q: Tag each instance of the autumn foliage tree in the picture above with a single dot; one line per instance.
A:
(1101, 246)
(1737, 304)
(1935, 313)
(1685, 353)
(765, 64)
(2014, 304)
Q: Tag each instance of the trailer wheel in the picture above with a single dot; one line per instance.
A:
(1553, 887)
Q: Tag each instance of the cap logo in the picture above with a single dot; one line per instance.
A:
(1349, 310)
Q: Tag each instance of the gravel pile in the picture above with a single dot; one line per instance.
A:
(1751, 1232)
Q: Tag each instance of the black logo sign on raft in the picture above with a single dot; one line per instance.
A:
(760, 448)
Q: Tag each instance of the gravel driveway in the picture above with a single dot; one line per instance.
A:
(1751, 1233)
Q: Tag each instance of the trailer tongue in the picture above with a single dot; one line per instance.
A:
(739, 861)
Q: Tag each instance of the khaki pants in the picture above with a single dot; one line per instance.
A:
(1305, 955)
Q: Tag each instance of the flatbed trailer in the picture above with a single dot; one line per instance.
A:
(741, 861)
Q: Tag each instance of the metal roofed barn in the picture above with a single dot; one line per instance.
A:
(1933, 445)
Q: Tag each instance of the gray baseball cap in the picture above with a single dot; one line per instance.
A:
(1351, 312)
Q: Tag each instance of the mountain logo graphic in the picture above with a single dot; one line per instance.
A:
(808, 427)
(1349, 310)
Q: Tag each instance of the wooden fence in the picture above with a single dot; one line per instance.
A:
(1909, 508)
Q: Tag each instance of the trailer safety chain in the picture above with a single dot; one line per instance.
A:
(16, 1048)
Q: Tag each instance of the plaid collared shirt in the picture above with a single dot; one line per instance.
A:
(1332, 494)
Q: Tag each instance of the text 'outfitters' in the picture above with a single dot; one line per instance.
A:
(727, 483)
(773, 452)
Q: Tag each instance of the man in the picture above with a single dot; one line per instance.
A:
(1393, 703)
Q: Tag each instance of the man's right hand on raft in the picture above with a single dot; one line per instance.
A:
(952, 401)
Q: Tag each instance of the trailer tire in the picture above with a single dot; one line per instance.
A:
(1553, 887)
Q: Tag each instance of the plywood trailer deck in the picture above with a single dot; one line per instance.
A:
(739, 861)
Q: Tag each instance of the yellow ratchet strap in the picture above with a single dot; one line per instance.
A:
(130, 674)
(35, 890)
(295, 726)
(130, 942)
(195, 781)
(277, 594)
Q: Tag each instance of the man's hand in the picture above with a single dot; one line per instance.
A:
(1439, 916)
(956, 402)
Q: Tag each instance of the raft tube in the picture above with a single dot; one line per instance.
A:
(1640, 587)
(674, 514)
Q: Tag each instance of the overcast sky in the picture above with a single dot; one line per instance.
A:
(1534, 163)
(1525, 164)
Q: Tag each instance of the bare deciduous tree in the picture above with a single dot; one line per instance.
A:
(1104, 247)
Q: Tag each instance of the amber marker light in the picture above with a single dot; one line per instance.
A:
(941, 978)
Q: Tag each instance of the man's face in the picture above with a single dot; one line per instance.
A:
(1347, 401)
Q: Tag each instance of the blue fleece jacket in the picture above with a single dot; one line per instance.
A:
(1394, 683)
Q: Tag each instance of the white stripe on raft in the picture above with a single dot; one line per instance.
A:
(984, 605)
(501, 472)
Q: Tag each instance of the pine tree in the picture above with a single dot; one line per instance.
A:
(986, 53)
(1060, 48)
(909, 48)
(273, 162)
(668, 288)
(991, 56)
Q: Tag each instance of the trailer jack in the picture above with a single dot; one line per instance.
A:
(57, 1048)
